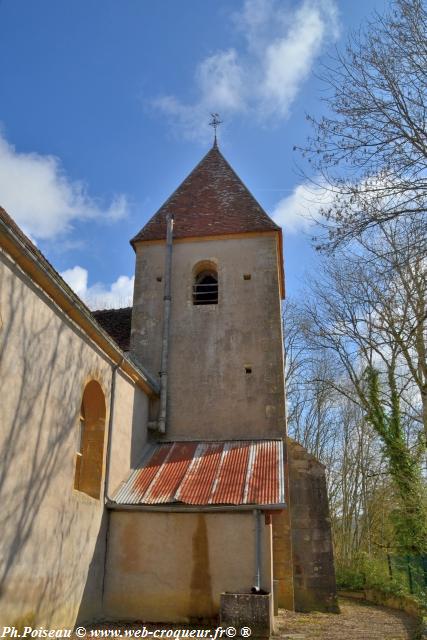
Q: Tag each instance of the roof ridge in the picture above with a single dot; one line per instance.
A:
(236, 175)
(187, 177)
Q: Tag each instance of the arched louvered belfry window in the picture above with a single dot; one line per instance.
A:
(205, 286)
(90, 454)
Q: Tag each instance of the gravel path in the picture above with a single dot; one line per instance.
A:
(357, 621)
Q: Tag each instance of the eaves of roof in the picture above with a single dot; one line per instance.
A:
(31, 260)
(212, 202)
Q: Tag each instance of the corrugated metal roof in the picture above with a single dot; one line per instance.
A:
(238, 472)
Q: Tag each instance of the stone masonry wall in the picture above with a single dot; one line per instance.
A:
(313, 560)
(225, 367)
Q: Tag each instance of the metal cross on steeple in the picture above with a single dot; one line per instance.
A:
(215, 122)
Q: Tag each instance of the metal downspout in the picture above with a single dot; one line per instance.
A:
(110, 428)
(107, 498)
(166, 326)
(257, 583)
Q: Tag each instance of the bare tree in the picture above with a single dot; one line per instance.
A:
(365, 317)
(371, 151)
(310, 402)
(393, 277)
(333, 428)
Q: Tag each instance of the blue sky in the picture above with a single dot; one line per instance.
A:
(104, 109)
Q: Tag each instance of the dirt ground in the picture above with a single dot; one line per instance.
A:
(357, 621)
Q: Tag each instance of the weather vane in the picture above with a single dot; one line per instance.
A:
(215, 122)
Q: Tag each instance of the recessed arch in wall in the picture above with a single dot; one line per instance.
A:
(89, 459)
(205, 283)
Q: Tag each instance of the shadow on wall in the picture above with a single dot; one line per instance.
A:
(45, 531)
(139, 428)
(91, 605)
(95, 583)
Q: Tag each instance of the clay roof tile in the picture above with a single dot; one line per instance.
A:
(116, 322)
(212, 200)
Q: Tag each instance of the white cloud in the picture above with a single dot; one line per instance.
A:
(221, 82)
(100, 296)
(37, 193)
(288, 60)
(298, 211)
(77, 278)
(264, 78)
(302, 209)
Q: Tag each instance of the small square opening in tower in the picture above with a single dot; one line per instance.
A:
(247, 276)
(248, 369)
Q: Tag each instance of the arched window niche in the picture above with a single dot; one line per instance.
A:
(89, 458)
(205, 283)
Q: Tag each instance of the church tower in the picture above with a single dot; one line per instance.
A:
(218, 468)
(225, 376)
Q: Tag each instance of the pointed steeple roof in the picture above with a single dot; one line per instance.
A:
(211, 201)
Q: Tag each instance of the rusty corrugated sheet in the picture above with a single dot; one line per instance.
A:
(233, 475)
(208, 473)
(196, 487)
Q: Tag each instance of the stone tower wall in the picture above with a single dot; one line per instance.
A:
(210, 394)
(313, 559)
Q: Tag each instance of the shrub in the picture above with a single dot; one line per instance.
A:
(367, 572)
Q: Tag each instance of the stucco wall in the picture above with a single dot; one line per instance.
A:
(283, 570)
(52, 537)
(210, 395)
(173, 566)
(129, 433)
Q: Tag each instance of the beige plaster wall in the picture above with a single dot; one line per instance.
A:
(129, 433)
(52, 537)
(173, 566)
(211, 396)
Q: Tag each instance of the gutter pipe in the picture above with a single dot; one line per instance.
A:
(110, 428)
(107, 498)
(182, 508)
(257, 582)
(166, 326)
